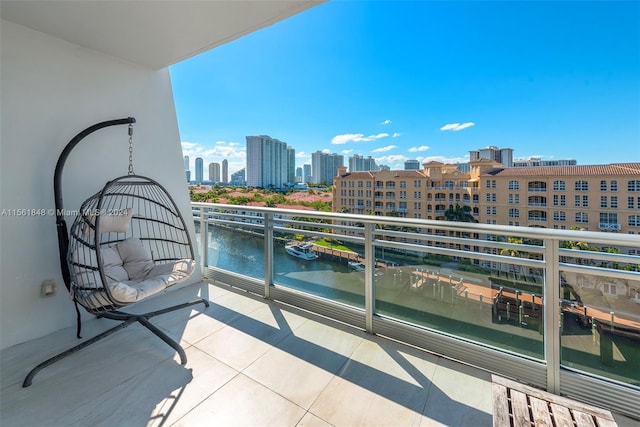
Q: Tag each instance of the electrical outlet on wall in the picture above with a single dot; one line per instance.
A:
(49, 288)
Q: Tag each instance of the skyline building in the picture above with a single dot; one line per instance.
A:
(306, 173)
(358, 163)
(291, 165)
(500, 155)
(238, 178)
(299, 174)
(225, 171)
(411, 165)
(267, 162)
(186, 163)
(537, 161)
(199, 170)
(214, 172)
(324, 166)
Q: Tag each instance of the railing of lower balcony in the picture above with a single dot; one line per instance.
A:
(526, 303)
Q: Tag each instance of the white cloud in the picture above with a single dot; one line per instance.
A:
(345, 152)
(386, 122)
(356, 137)
(418, 149)
(395, 135)
(384, 149)
(326, 151)
(456, 126)
(394, 161)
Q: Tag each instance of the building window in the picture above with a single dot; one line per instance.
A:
(585, 201)
(417, 183)
(630, 202)
(559, 216)
(514, 213)
(359, 184)
(514, 185)
(634, 186)
(582, 217)
(603, 185)
(576, 201)
(614, 202)
(603, 201)
(608, 218)
(559, 185)
(582, 186)
(556, 200)
(403, 184)
(634, 220)
(368, 184)
(417, 206)
(417, 194)
(614, 186)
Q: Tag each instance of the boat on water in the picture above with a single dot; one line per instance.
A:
(302, 251)
(361, 266)
(357, 265)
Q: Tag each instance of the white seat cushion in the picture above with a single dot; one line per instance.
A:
(136, 258)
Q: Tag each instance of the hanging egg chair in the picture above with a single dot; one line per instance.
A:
(127, 243)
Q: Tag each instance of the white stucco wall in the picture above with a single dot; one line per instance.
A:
(50, 91)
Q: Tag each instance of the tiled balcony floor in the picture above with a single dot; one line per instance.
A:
(250, 363)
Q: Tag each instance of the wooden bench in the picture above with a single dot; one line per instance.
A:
(518, 405)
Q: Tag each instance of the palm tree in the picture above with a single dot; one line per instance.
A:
(459, 214)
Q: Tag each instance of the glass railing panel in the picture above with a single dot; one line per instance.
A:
(600, 322)
(235, 242)
(319, 265)
(443, 287)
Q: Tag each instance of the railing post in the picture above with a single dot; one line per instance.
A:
(369, 294)
(551, 315)
(268, 254)
(204, 241)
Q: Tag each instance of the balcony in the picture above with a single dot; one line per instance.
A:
(251, 362)
(284, 345)
(609, 226)
(488, 307)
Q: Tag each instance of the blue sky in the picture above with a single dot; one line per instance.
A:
(426, 80)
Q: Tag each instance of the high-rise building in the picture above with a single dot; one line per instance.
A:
(188, 173)
(359, 163)
(291, 165)
(186, 163)
(199, 171)
(324, 166)
(411, 165)
(267, 162)
(214, 172)
(238, 178)
(500, 155)
(306, 173)
(298, 174)
(225, 171)
(537, 161)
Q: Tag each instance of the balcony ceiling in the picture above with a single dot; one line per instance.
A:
(153, 34)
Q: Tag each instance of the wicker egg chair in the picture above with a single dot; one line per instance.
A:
(128, 242)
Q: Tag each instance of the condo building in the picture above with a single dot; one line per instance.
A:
(596, 197)
(268, 162)
(324, 167)
(214, 172)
